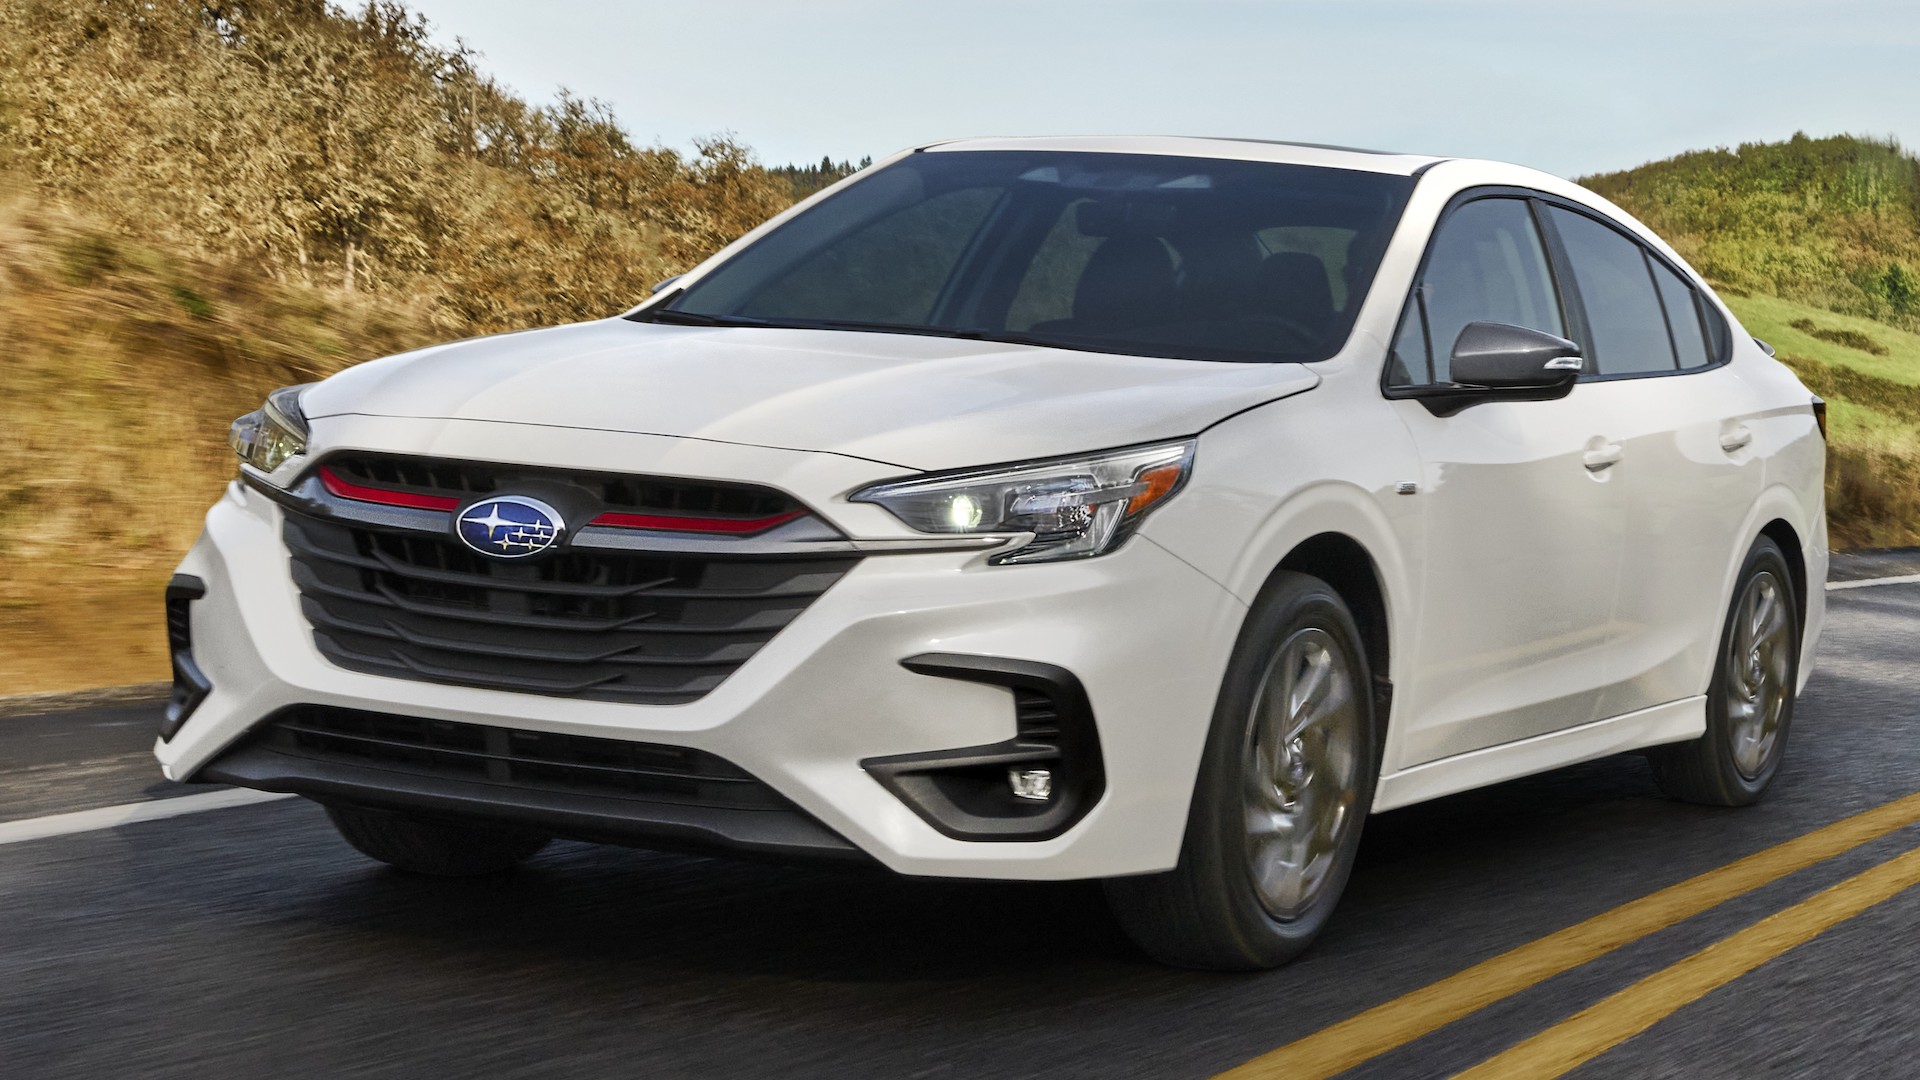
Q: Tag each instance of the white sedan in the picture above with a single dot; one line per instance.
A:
(1142, 509)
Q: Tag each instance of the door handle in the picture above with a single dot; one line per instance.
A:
(1603, 457)
(1735, 437)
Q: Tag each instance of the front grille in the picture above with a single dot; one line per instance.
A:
(464, 480)
(645, 628)
(530, 760)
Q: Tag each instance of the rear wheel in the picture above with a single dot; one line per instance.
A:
(435, 848)
(1285, 782)
(1750, 699)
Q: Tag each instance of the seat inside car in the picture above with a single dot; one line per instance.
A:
(1128, 282)
(1294, 287)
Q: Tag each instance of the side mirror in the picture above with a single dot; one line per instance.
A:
(664, 285)
(1495, 356)
(1497, 362)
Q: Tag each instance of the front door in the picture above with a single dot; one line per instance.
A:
(1522, 521)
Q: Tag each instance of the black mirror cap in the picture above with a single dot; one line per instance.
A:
(1497, 356)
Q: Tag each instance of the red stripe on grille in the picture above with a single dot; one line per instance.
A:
(349, 490)
(695, 524)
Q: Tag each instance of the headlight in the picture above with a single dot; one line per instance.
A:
(1074, 507)
(273, 432)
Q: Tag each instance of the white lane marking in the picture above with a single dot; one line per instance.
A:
(1904, 579)
(107, 817)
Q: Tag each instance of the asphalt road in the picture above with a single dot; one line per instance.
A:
(250, 942)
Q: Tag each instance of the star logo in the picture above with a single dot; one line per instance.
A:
(509, 527)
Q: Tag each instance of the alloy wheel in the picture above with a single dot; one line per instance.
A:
(1758, 663)
(1302, 771)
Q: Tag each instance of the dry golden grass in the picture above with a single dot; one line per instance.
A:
(122, 370)
(209, 201)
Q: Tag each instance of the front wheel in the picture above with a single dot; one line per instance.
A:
(1285, 782)
(1750, 698)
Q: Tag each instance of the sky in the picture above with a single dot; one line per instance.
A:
(1571, 87)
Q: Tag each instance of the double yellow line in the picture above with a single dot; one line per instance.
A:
(1593, 1031)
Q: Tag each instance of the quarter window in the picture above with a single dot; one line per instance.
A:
(1486, 264)
(1683, 316)
(1626, 325)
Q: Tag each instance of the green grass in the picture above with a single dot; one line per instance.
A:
(1770, 319)
(1873, 413)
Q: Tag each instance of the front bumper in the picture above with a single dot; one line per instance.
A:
(1145, 634)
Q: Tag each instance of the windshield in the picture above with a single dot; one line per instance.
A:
(1194, 258)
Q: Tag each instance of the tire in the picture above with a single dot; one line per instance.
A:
(433, 848)
(1234, 902)
(1750, 697)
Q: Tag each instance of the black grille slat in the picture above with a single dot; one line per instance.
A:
(507, 642)
(614, 625)
(544, 761)
(448, 577)
(327, 737)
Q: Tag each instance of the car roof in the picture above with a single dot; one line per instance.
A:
(1290, 153)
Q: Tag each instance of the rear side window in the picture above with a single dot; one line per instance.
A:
(1626, 324)
(1486, 264)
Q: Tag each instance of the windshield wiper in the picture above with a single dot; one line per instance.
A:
(963, 333)
(1007, 337)
(695, 318)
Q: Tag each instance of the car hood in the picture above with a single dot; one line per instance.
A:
(914, 401)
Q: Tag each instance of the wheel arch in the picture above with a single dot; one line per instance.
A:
(1779, 515)
(1346, 565)
(1782, 533)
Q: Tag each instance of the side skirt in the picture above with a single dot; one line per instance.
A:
(1676, 721)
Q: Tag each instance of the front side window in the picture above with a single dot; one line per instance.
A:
(1485, 264)
(1191, 258)
(1625, 321)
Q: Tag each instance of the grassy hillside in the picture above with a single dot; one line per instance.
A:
(1815, 243)
(1869, 373)
(123, 365)
(202, 201)
(1833, 223)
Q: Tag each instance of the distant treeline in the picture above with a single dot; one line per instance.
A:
(1833, 221)
(346, 149)
(807, 179)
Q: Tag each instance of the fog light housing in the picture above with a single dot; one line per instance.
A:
(190, 685)
(1035, 785)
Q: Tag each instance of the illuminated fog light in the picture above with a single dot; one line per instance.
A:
(1034, 784)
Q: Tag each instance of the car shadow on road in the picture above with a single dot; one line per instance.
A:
(578, 903)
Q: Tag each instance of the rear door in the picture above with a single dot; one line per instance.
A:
(1522, 523)
(1680, 418)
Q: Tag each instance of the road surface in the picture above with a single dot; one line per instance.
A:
(248, 941)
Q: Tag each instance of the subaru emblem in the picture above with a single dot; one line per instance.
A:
(510, 527)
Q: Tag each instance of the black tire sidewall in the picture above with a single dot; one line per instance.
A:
(1216, 828)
